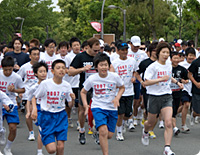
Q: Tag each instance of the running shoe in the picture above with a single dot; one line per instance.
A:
(168, 152)
(196, 120)
(119, 136)
(1, 153)
(145, 138)
(131, 127)
(96, 137)
(152, 135)
(176, 131)
(31, 136)
(82, 138)
(40, 153)
(135, 122)
(70, 123)
(185, 129)
(90, 132)
(198, 153)
(161, 125)
(7, 151)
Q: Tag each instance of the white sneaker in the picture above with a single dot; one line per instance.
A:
(196, 120)
(1, 153)
(131, 127)
(70, 123)
(40, 154)
(176, 131)
(119, 136)
(185, 128)
(135, 122)
(31, 137)
(7, 151)
(168, 152)
(161, 125)
(145, 138)
(198, 153)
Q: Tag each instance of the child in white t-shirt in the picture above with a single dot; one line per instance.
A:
(10, 83)
(125, 67)
(53, 120)
(8, 105)
(104, 101)
(158, 77)
(40, 70)
(26, 72)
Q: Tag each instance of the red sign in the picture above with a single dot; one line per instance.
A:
(96, 26)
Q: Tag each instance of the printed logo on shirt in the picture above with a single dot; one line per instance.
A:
(30, 74)
(161, 74)
(3, 85)
(52, 97)
(103, 90)
(49, 63)
(62, 97)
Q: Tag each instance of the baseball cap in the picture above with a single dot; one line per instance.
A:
(101, 43)
(122, 45)
(161, 39)
(136, 41)
(177, 45)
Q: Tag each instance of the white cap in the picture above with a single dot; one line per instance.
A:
(161, 39)
(24, 46)
(179, 41)
(101, 43)
(136, 41)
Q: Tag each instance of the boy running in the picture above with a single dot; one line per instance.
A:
(105, 101)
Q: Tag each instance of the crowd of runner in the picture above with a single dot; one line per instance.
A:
(114, 87)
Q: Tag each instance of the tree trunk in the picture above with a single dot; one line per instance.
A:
(196, 38)
(180, 23)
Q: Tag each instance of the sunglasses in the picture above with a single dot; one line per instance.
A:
(142, 48)
(96, 51)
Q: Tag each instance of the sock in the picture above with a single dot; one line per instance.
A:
(8, 145)
(130, 120)
(39, 150)
(82, 129)
(31, 132)
(167, 147)
(119, 128)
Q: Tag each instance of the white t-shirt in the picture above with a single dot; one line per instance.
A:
(125, 69)
(73, 80)
(138, 56)
(13, 79)
(104, 89)
(31, 92)
(26, 72)
(53, 95)
(187, 86)
(155, 71)
(114, 56)
(49, 60)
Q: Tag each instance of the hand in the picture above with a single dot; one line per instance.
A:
(165, 78)
(184, 81)
(11, 88)
(115, 102)
(143, 85)
(86, 110)
(16, 67)
(6, 107)
(72, 95)
(87, 67)
(34, 115)
(133, 79)
(180, 85)
(28, 115)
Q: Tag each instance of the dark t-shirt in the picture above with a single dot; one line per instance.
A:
(179, 73)
(81, 60)
(19, 58)
(195, 70)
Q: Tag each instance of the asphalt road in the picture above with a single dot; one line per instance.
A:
(184, 144)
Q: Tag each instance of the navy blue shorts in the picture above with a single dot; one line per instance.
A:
(137, 87)
(105, 117)
(53, 125)
(185, 97)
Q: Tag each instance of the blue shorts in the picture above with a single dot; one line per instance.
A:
(38, 114)
(11, 117)
(185, 97)
(137, 87)
(105, 117)
(53, 125)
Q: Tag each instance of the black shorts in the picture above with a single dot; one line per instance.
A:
(196, 103)
(145, 98)
(24, 102)
(126, 106)
(175, 105)
(185, 97)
